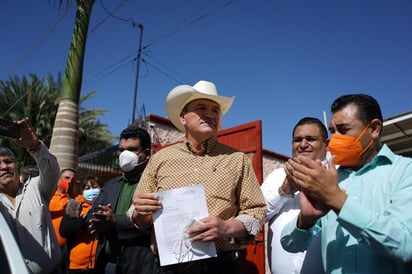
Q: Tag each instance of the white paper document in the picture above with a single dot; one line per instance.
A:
(182, 207)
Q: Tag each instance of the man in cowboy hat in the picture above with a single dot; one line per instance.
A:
(235, 202)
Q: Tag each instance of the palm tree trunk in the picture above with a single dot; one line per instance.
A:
(65, 138)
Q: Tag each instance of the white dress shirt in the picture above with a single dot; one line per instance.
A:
(280, 210)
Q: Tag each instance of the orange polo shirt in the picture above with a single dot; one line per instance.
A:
(57, 207)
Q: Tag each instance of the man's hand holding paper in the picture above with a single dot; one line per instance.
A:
(183, 230)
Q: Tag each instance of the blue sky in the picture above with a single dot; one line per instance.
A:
(283, 60)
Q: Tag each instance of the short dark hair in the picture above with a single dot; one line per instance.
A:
(5, 151)
(368, 107)
(92, 179)
(310, 121)
(134, 131)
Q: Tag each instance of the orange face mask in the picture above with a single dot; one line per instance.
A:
(347, 149)
(64, 185)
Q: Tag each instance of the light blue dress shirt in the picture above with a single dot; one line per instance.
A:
(373, 232)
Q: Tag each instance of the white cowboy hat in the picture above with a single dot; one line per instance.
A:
(181, 95)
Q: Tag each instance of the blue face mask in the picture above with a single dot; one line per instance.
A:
(91, 194)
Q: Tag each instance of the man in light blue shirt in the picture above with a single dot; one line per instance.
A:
(363, 208)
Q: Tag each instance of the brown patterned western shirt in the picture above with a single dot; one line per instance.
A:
(231, 187)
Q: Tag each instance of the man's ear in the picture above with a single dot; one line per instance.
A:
(376, 126)
(182, 118)
(148, 153)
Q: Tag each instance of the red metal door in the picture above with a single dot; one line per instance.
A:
(248, 139)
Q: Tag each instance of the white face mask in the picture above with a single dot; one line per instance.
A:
(128, 160)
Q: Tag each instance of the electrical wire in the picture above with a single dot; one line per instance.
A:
(26, 56)
(149, 60)
(21, 61)
(109, 70)
(162, 72)
(10, 15)
(130, 20)
(110, 14)
(57, 20)
(197, 16)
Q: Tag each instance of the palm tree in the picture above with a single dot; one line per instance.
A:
(28, 97)
(38, 99)
(93, 135)
(65, 138)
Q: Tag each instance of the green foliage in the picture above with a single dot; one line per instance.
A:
(38, 100)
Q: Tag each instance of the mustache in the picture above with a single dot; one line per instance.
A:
(209, 120)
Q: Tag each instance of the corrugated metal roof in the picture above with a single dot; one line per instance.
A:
(397, 133)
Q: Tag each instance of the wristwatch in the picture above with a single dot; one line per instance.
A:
(284, 194)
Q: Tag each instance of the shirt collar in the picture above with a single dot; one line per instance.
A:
(385, 156)
(206, 146)
(128, 182)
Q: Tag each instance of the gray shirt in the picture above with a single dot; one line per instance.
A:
(30, 218)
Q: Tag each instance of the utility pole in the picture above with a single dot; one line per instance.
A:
(139, 52)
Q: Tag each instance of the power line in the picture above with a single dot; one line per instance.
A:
(193, 18)
(10, 15)
(167, 72)
(109, 14)
(29, 52)
(108, 70)
(112, 68)
(50, 29)
(163, 72)
(150, 61)
(40, 40)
